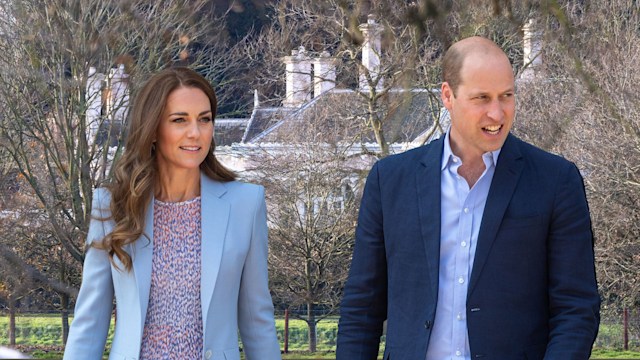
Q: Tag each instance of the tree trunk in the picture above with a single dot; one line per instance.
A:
(64, 301)
(376, 126)
(12, 321)
(311, 322)
(286, 331)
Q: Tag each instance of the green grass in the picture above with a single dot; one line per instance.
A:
(36, 329)
(40, 335)
(45, 329)
(614, 354)
(49, 353)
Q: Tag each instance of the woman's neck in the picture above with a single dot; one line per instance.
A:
(178, 187)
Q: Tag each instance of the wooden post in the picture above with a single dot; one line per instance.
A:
(12, 321)
(286, 331)
(625, 320)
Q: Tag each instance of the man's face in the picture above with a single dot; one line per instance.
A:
(483, 107)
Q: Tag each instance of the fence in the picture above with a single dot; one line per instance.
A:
(46, 329)
(611, 334)
(619, 332)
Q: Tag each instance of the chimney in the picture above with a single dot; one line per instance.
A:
(119, 100)
(298, 78)
(371, 51)
(532, 42)
(93, 97)
(324, 74)
(256, 99)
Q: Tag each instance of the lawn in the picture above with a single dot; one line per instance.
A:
(40, 335)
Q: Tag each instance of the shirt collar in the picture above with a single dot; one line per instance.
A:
(489, 158)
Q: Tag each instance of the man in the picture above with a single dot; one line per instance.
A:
(477, 245)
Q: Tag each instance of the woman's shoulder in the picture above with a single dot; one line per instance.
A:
(101, 202)
(238, 185)
(233, 190)
(244, 191)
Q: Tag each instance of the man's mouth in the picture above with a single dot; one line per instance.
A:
(493, 129)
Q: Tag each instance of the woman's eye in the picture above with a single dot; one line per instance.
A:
(205, 119)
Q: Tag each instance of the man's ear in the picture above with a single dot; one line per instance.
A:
(446, 93)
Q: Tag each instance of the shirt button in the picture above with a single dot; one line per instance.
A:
(463, 244)
(208, 354)
(458, 352)
(466, 210)
(459, 317)
(461, 280)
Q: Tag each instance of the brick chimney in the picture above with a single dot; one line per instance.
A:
(371, 52)
(324, 74)
(93, 96)
(298, 78)
(532, 42)
(119, 100)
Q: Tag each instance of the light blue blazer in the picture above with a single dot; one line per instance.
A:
(234, 282)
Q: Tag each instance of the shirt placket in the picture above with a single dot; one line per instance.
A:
(461, 269)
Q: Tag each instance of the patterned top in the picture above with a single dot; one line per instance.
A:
(173, 326)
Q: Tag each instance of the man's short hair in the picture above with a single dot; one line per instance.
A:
(452, 66)
(453, 59)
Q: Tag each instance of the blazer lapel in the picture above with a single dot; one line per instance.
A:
(428, 190)
(214, 219)
(142, 255)
(505, 179)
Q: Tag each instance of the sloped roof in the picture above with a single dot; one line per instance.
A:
(262, 119)
(229, 131)
(342, 115)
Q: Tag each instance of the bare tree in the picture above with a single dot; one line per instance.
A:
(585, 107)
(312, 191)
(397, 57)
(312, 212)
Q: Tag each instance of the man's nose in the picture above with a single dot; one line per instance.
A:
(495, 110)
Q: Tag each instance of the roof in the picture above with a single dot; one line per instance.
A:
(342, 115)
(229, 131)
(262, 119)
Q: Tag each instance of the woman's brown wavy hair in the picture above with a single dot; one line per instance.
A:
(136, 173)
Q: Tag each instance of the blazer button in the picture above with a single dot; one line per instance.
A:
(208, 354)
(427, 324)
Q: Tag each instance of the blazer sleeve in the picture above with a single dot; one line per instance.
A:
(574, 302)
(255, 307)
(364, 304)
(88, 332)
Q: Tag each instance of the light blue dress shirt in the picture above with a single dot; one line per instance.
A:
(461, 214)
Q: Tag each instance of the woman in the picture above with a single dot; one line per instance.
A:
(178, 242)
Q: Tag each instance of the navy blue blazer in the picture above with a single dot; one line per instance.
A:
(532, 292)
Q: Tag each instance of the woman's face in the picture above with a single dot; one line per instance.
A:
(185, 131)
